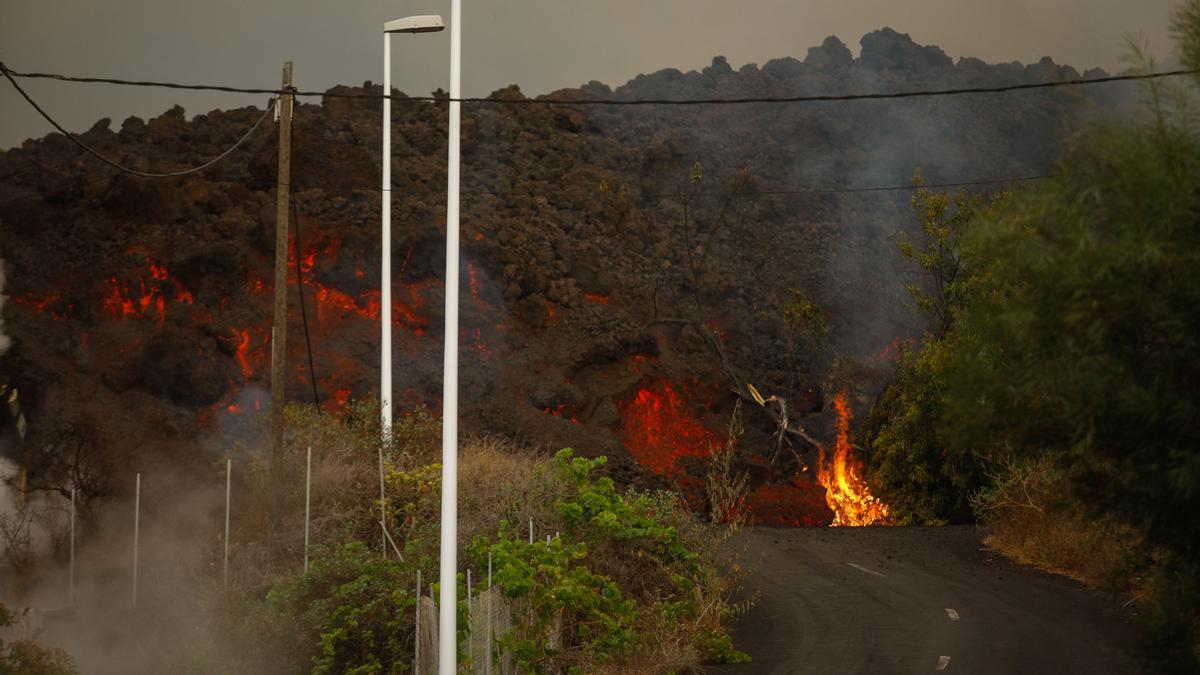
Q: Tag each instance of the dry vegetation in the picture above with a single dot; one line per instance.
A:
(663, 563)
(1032, 520)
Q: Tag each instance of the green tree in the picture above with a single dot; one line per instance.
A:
(1082, 337)
(924, 479)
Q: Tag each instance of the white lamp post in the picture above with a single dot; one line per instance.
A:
(447, 618)
(448, 565)
(411, 24)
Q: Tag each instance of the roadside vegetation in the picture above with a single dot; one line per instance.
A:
(611, 581)
(26, 657)
(1054, 396)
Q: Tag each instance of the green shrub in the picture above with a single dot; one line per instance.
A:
(26, 657)
(361, 607)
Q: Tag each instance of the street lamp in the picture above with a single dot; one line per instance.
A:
(411, 24)
(448, 563)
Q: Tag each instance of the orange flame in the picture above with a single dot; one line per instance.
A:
(845, 490)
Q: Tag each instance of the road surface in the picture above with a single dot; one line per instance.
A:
(915, 600)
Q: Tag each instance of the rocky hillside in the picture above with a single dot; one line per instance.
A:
(622, 265)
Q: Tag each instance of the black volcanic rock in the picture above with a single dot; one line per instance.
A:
(833, 53)
(720, 67)
(885, 49)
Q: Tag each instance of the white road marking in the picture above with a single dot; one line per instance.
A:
(953, 614)
(863, 569)
(943, 661)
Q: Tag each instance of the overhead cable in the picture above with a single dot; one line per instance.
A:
(616, 101)
(145, 174)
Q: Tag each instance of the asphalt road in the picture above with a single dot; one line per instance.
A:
(916, 600)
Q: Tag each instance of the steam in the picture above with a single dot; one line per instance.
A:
(5, 342)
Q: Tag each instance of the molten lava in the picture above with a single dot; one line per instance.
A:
(145, 298)
(567, 411)
(845, 490)
(659, 432)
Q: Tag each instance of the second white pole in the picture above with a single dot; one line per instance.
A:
(137, 514)
(72, 582)
(447, 616)
(383, 535)
(385, 282)
(228, 487)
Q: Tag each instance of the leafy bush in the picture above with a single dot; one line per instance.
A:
(361, 607)
(28, 658)
(616, 565)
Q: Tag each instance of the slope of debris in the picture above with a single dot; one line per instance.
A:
(625, 268)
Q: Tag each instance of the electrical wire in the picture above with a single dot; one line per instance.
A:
(145, 174)
(9, 74)
(615, 101)
(312, 373)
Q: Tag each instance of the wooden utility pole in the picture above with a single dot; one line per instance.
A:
(279, 329)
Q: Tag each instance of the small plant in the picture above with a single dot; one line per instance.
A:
(725, 486)
(28, 658)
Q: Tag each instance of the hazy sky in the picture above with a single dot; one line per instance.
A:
(539, 44)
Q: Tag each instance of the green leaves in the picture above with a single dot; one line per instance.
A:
(552, 581)
(557, 583)
(359, 605)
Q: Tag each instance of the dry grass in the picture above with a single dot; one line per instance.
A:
(500, 480)
(1031, 521)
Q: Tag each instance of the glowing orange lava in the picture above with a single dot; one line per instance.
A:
(474, 285)
(845, 490)
(659, 432)
(243, 348)
(567, 411)
(149, 300)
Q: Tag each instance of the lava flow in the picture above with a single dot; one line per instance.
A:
(659, 432)
(845, 490)
(123, 301)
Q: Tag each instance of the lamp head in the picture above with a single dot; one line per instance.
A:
(428, 23)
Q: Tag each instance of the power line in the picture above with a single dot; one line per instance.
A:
(758, 193)
(615, 101)
(312, 373)
(145, 174)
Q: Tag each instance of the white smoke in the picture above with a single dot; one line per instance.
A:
(5, 342)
